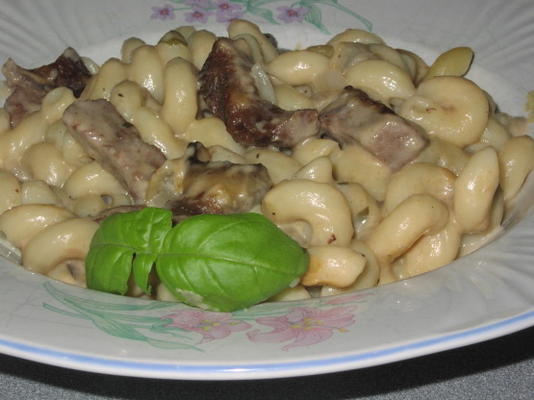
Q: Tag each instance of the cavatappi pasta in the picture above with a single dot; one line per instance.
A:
(363, 222)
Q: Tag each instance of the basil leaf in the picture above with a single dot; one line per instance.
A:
(229, 262)
(217, 262)
(126, 241)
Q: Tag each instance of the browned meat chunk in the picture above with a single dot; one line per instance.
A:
(222, 188)
(194, 185)
(29, 86)
(229, 92)
(355, 118)
(114, 143)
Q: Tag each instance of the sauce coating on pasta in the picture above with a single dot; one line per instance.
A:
(382, 167)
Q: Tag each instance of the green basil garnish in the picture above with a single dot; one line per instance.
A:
(216, 262)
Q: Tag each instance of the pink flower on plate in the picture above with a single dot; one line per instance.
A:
(304, 326)
(163, 13)
(198, 15)
(210, 325)
(292, 14)
(227, 11)
(198, 3)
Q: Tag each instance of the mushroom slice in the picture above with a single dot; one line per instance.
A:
(355, 118)
(194, 185)
(227, 87)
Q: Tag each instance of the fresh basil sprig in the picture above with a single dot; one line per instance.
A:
(217, 262)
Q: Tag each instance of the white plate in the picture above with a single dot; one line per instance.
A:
(487, 294)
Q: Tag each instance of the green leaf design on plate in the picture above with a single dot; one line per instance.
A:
(153, 321)
(335, 4)
(265, 13)
(314, 17)
(123, 325)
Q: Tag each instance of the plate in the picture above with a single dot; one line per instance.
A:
(484, 295)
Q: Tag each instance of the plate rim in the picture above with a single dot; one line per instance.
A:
(378, 356)
(384, 355)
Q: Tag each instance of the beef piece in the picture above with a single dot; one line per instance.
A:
(114, 143)
(29, 86)
(355, 118)
(195, 185)
(22, 100)
(228, 90)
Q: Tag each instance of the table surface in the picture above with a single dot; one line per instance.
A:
(502, 368)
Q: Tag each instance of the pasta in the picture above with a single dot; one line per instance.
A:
(11, 191)
(455, 62)
(475, 189)
(132, 102)
(321, 205)
(516, 162)
(299, 67)
(317, 170)
(210, 131)
(364, 219)
(355, 164)
(239, 27)
(14, 142)
(200, 44)
(37, 192)
(449, 107)
(180, 104)
(57, 243)
(279, 166)
(20, 224)
(337, 266)
(382, 80)
(419, 178)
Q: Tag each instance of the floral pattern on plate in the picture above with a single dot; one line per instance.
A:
(293, 324)
(202, 11)
(477, 298)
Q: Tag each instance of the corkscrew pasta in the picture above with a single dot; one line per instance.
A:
(364, 220)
